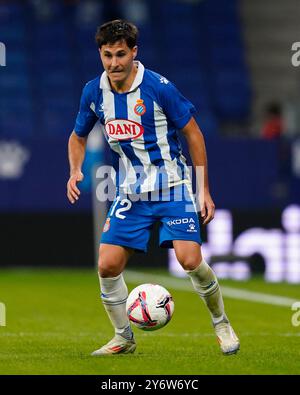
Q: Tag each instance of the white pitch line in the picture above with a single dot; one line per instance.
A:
(92, 335)
(185, 285)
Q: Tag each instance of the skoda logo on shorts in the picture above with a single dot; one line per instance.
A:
(123, 129)
(179, 221)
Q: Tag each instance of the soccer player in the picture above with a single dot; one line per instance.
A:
(142, 113)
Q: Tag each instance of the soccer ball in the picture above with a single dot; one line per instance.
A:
(149, 307)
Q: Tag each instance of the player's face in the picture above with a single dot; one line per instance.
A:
(117, 60)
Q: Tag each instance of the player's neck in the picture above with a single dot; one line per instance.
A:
(124, 86)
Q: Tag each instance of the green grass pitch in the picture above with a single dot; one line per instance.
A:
(54, 320)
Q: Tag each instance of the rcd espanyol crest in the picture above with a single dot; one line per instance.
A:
(140, 107)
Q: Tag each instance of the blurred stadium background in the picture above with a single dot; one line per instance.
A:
(231, 58)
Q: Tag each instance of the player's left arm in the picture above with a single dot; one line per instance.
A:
(197, 150)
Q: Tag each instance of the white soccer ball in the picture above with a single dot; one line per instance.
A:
(149, 307)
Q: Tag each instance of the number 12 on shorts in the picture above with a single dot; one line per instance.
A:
(124, 202)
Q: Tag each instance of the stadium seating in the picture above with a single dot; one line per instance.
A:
(198, 46)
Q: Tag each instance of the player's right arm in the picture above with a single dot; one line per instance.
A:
(76, 150)
(85, 122)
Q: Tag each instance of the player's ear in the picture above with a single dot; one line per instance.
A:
(134, 51)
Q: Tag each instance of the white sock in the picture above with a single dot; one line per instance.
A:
(114, 295)
(206, 285)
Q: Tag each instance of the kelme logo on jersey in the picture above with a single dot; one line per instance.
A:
(123, 129)
(140, 107)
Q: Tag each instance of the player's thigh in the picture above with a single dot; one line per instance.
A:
(188, 253)
(112, 259)
(128, 224)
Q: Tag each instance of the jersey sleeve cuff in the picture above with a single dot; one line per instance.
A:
(181, 122)
(80, 132)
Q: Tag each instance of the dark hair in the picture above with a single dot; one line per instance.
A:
(117, 30)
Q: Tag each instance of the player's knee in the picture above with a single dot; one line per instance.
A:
(189, 261)
(108, 268)
(188, 254)
(189, 264)
(112, 260)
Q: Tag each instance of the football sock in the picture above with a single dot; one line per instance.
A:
(114, 295)
(206, 285)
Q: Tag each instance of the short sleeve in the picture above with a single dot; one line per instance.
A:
(177, 108)
(86, 118)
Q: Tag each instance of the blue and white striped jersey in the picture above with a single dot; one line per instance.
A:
(140, 127)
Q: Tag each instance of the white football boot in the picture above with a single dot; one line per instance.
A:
(227, 339)
(117, 345)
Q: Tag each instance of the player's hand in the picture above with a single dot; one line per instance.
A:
(72, 190)
(207, 209)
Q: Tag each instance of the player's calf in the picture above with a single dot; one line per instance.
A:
(206, 285)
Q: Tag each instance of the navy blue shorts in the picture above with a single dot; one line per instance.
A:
(131, 218)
